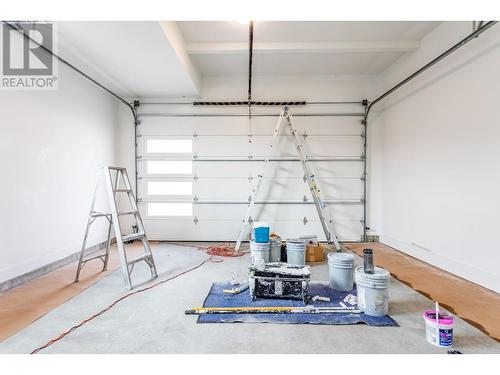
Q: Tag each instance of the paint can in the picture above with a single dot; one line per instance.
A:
(373, 291)
(275, 254)
(341, 271)
(296, 251)
(444, 324)
(260, 232)
(259, 252)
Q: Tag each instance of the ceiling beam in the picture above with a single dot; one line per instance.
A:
(302, 47)
(176, 40)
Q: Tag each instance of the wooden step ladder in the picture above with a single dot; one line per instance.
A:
(117, 181)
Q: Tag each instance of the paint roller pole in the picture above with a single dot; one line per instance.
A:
(272, 310)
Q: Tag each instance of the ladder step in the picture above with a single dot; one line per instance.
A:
(140, 259)
(116, 168)
(133, 236)
(122, 190)
(99, 214)
(94, 257)
(126, 212)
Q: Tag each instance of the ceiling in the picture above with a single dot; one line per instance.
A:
(301, 48)
(169, 59)
(136, 59)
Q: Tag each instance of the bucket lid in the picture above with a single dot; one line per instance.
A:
(443, 319)
(295, 241)
(378, 273)
(340, 258)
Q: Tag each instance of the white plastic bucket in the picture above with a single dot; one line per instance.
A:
(275, 254)
(296, 251)
(260, 232)
(341, 271)
(373, 291)
(259, 251)
(445, 325)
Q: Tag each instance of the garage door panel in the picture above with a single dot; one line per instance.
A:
(276, 169)
(285, 146)
(265, 212)
(284, 188)
(226, 230)
(222, 222)
(185, 126)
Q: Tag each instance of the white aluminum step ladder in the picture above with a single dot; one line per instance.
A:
(324, 217)
(117, 181)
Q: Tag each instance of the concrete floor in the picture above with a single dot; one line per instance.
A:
(154, 321)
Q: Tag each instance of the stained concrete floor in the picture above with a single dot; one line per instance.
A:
(154, 321)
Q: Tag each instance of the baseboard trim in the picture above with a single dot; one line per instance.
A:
(28, 276)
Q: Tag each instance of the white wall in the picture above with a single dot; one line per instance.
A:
(51, 147)
(435, 172)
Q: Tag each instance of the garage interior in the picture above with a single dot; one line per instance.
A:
(206, 121)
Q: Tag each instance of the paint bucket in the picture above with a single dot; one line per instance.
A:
(259, 252)
(260, 232)
(341, 271)
(445, 325)
(373, 291)
(275, 254)
(296, 251)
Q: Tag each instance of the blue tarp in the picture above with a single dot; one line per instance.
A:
(217, 298)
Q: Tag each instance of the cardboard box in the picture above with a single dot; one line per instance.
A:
(315, 253)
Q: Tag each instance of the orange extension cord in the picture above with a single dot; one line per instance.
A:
(219, 251)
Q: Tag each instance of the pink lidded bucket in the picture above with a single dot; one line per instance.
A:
(440, 332)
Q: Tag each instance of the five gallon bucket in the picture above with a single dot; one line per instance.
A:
(260, 232)
(296, 252)
(444, 325)
(275, 254)
(341, 270)
(373, 293)
(259, 252)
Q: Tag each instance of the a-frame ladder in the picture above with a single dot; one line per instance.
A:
(324, 216)
(117, 181)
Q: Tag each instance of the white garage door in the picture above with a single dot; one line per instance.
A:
(196, 174)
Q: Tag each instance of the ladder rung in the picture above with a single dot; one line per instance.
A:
(122, 190)
(133, 236)
(126, 212)
(116, 168)
(140, 259)
(99, 214)
(94, 257)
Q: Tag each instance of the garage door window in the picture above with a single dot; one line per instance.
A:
(169, 187)
(166, 167)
